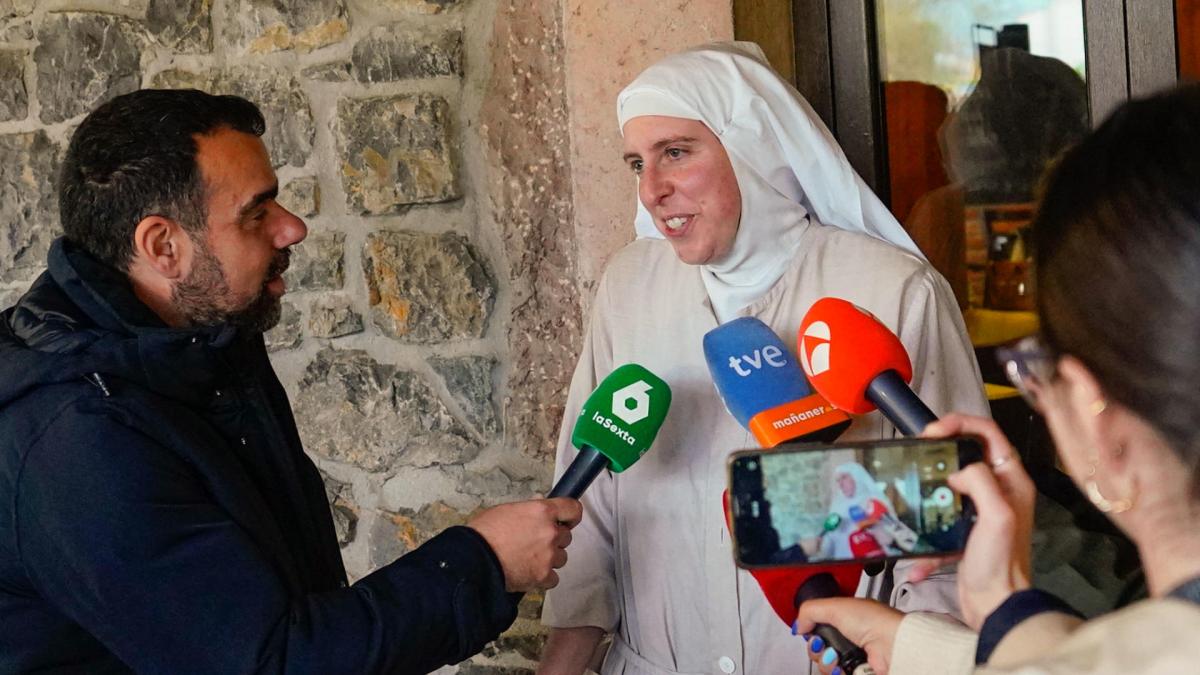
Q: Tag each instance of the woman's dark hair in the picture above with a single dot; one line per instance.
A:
(135, 156)
(1117, 240)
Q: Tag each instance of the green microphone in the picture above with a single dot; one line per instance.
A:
(616, 427)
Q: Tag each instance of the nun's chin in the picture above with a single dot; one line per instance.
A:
(692, 255)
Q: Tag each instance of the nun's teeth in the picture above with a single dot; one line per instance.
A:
(675, 223)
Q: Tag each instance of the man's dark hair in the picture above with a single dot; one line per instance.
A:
(1117, 241)
(135, 156)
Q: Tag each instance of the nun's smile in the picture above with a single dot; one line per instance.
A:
(686, 182)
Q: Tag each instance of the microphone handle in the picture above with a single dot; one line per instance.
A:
(587, 465)
(851, 657)
(896, 400)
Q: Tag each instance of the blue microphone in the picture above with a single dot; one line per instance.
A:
(764, 388)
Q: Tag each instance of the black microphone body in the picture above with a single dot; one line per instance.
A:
(850, 655)
(575, 480)
(899, 403)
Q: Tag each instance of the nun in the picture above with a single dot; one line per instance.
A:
(746, 207)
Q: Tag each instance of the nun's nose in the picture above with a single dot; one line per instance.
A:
(653, 186)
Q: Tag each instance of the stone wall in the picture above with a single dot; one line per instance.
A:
(457, 163)
(431, 322)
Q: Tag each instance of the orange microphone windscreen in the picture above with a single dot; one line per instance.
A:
(842, 348)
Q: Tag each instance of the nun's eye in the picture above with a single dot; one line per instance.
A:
(636, 166)
(675, 153)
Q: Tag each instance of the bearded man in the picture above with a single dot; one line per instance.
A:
(157, 511)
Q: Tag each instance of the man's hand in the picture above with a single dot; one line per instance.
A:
(867, 623)
(530, 539)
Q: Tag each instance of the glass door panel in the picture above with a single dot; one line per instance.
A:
(978, 97)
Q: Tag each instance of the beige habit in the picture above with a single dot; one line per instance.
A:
(651, 560)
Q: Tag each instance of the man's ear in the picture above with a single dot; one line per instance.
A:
(160, 244)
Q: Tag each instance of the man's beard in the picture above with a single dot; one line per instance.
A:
(204, 298)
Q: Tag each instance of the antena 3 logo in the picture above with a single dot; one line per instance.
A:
(814, 349)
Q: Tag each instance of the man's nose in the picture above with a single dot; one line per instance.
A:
(289, 230)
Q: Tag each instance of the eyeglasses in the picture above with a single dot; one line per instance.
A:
(1029, 365)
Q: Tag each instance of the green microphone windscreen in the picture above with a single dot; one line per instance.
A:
(622, 416)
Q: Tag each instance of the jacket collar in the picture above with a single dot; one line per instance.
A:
(87, 308)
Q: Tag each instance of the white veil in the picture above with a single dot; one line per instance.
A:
(788, 165)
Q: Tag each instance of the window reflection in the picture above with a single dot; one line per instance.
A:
(980, 95)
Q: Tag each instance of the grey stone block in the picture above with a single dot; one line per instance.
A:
(286, 334)
(469, 379)
(10, 8)
(391, 53)
(427, 288)
(334, 316)
(355, 410)
(14, 99)
(28, 203)
(261, 26)
(491, 485)
(181, 25)
(345, 513)
(301, 196)
(9, 297)
(16, 30)
(395, 151)
(417, 6)
(338, 71)
(83, 60)
(317, 263)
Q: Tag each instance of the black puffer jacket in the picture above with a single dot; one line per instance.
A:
(158, 514)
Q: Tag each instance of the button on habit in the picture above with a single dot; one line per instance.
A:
(726, 664)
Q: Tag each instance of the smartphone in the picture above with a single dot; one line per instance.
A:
(849, 502)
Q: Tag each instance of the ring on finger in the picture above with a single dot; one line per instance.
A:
(997, 463)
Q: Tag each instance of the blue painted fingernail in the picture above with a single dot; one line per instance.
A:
(796, 627)
(807, 636)
(829, 657)
(816, 645)
(837, 670)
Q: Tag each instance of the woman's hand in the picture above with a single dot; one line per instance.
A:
(867, 623)
(995, 563)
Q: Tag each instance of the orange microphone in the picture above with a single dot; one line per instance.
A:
(859, 365)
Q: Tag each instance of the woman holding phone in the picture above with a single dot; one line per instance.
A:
(1114, 372)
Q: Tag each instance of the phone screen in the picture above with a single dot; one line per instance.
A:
(849, 502)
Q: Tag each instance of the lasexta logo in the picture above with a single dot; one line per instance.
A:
(631, 403)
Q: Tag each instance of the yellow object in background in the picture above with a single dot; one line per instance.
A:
(997, 392)
(990, 327)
